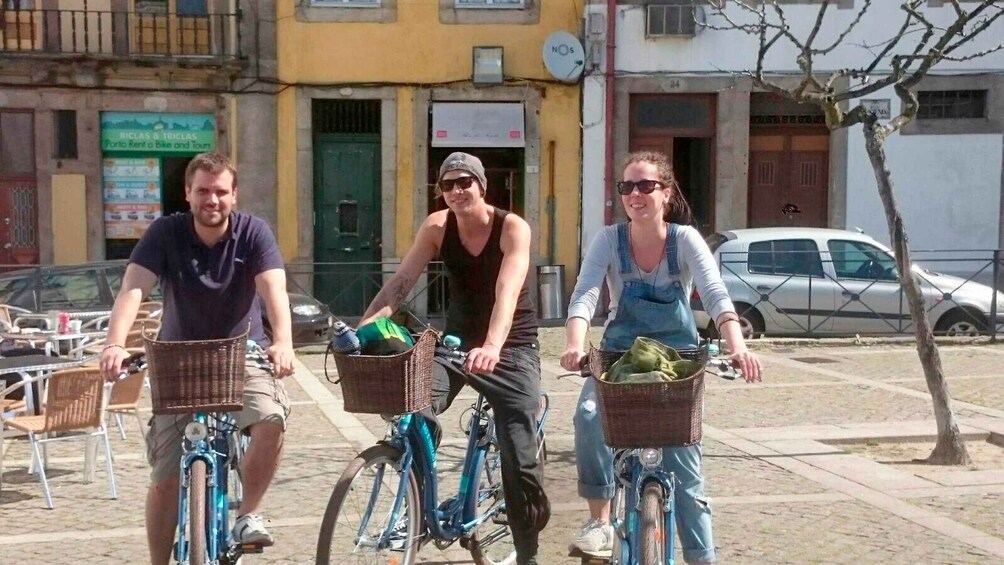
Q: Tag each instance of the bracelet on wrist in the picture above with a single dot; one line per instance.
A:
(112, 346)
(725, 321)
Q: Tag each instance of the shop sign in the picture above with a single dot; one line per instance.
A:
(132, 196)
(483, 124)
(158, 133)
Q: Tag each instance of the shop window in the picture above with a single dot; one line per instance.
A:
(17, 143)
(64, 134)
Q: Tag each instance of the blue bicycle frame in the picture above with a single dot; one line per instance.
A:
(457, 516)
(632, 478)
(215, 449)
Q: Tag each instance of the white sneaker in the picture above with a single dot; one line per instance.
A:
(250, 529)
(596, 537)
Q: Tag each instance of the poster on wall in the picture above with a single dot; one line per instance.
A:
(132, 196)
(157, 133)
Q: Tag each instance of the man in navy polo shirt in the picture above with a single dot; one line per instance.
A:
(210, 262)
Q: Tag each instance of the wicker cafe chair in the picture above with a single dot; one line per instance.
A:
(75, 402)
(151, 309)
(124, 399)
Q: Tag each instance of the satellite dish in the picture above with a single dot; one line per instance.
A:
(564, 56)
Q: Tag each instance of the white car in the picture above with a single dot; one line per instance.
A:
(802, 281)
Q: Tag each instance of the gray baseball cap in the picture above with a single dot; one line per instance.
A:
(460, 161)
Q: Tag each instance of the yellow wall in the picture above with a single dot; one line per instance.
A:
(415, 51)
(69, 234)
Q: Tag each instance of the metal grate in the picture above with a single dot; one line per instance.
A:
(765, 173)
(346, 116)
(809, 174)
(22, 225)
(787, 119)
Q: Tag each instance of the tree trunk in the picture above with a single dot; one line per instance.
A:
(950, 450)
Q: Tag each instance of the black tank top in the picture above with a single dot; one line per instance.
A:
(472, 289)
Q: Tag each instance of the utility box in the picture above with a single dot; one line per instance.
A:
(551, 292)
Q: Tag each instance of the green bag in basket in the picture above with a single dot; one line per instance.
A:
(384, 337)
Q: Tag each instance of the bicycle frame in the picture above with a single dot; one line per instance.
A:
(457, 516)
(632, 476)
(215, 450)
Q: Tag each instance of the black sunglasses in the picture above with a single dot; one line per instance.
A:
(646, 186)
(463, 183)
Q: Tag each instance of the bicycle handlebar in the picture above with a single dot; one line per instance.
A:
(253, 357)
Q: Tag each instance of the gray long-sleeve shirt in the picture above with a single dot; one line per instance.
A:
(697, 265)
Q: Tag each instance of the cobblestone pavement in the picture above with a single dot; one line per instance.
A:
(783, 489)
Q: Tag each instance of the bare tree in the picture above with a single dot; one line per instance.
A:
(901, 62)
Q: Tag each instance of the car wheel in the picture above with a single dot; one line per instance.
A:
(961, 323)
(750, 322)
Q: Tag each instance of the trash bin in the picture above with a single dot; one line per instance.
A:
(551, 292)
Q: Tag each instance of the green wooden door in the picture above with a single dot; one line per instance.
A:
(347, 221)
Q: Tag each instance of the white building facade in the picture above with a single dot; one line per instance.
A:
(746, 158)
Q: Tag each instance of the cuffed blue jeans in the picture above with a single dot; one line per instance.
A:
(595, 463)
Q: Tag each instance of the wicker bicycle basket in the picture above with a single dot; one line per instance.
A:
(649, 414)
(196, 376)
(388, 384)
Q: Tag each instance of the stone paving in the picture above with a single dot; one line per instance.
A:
(784, 489)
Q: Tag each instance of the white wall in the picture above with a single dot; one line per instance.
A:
(593, 158)
(948, 189)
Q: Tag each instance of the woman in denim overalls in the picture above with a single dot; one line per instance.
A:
(651, 264)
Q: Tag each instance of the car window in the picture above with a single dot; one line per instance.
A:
(785, 257)
(860, 260)
(10, 287)
(73, 290)
(114, 276)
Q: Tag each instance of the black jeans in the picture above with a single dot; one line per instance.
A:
(513, 391)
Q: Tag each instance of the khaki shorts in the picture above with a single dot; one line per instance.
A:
(265, 400)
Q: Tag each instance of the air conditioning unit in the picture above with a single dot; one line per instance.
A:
(681, 18)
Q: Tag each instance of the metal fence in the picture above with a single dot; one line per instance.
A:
(812, 293)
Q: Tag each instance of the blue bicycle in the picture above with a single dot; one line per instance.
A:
(642, 509)
(386, 504)
(211, 490)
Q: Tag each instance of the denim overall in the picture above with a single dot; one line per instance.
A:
(663, 314)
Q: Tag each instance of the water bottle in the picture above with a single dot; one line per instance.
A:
(344, 339)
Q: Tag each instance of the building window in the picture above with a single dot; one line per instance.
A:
(347, 3)
(517, 4)
(670, 18)
(17, 143)
(952, 104)
(19, 4)
(64, 134)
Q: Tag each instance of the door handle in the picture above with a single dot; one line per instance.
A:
(348, 249)
(762, 287)
(847, 293)
(7, 245)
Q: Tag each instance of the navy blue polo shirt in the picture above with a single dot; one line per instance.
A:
(209, 292)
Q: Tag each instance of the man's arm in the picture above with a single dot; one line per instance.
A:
(392, 295)
(515, 246)
(136, 284)
(271, 286)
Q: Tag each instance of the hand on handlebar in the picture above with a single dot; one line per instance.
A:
(482, 359)
(749, 364)
(573, 359)
(281, 357)
(113, 362)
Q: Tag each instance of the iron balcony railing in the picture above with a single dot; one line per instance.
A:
(119, 34)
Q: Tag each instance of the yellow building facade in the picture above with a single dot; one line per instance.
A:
(377, 94)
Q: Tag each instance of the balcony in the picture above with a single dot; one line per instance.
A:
(149, 32)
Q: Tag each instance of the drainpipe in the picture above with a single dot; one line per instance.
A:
(608, 175)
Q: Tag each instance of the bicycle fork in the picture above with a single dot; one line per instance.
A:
(629, 530)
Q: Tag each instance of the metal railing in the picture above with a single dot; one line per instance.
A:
(119, 34)
(817, 294)
(348, 288)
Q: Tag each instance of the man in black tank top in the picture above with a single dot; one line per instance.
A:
(487, 255)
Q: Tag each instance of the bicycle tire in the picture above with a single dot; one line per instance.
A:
(197, 513)
(652, 526)
(378, 455)
(489, 486)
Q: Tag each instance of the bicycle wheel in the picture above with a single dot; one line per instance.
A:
(492, 543)
(652, 526)
(360, 511)
(197, 513)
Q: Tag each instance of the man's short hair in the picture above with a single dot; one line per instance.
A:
(212, 163)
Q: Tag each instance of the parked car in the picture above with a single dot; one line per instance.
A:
(92, 287)
(796, 281)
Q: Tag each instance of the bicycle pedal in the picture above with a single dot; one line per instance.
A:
(252, 548)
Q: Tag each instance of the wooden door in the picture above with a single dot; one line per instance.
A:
(788, 179)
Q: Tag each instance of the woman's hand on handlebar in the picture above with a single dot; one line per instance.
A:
(282, 359)
(573, 359)
(747, 362)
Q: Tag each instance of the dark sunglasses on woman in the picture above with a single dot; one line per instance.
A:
(646, 186)
(463, 183)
